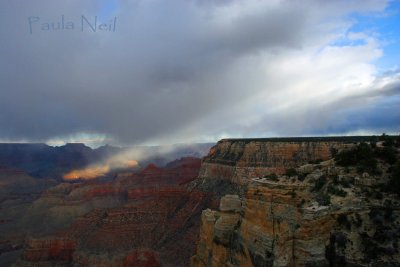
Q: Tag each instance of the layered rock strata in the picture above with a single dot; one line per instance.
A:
(238, 160)
(142, 219)
(324, 216)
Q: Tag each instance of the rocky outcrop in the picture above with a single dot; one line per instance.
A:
(238, 160)
(323, 215)
(271, 231)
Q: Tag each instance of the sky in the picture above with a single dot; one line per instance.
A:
(178, 71)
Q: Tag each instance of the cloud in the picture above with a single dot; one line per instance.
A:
(185, 70)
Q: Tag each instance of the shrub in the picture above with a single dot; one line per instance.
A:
(378, 195)
(374, 213)
(397, 141)
(317, 161)
(272, 177)
(368, 165)
(336, 191)
(301, 177)
(335, 179)
(341, 240)
(319, 183)
(388, 214)
(343, 221)
(323, 199)
(333, 151)
(353, 156)
(361, 156)
(394, 180)
(358, 220)
(291, 172)
(387, 153)
(346, 183)
(371, 249)
(387, 140)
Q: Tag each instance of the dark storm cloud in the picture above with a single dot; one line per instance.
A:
(165, 66)
(169, 64)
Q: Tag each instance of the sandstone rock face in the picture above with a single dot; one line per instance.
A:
(324, 215)
(230, 203)
(272, 231)
(275, 230)
(240, 159)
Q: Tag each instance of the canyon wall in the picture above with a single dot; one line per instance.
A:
(238, 160)
(320, 215)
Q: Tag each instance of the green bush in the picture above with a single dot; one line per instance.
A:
(394, 181)
(301, 176)
(387, 140)
(341, 240)
(361, 156)
(344, 221)
(346, 183)
(323, 199)
(317, 161)
(272, 177)
(333, 151)
(336, 191)
(397, 141)
(378, 195)
(357, 220)
(387, 153)
(319, 183)
(291, 172)
(335, 179)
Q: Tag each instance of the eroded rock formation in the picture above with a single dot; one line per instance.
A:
(320, 215)
(238, 160)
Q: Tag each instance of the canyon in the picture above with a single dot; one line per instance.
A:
(147, 215)
(249, 202)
